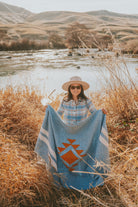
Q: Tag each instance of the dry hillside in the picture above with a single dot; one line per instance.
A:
(17, 23)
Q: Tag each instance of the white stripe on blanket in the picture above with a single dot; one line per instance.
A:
(49, 147)
(45, 132)
(52, 162)
(104, 131)
(103, 141)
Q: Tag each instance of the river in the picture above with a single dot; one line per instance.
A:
(47, 70)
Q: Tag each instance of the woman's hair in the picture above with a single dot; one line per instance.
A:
(70, 97)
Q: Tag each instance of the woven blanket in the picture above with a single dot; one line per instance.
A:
(77, 155)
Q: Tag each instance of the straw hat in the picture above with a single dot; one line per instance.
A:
(75, 80)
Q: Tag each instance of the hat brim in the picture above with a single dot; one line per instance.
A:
(66, 85)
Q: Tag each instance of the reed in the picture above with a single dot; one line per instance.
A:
(23, 181)
(119, 98)
(21, 115)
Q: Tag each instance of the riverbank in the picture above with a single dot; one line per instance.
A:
(127, 47)
(25, 182)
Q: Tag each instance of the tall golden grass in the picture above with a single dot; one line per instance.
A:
(26, 182)
(23, 181)
(20, 115)
(119, 97)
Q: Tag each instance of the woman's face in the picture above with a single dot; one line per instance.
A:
(75, 89)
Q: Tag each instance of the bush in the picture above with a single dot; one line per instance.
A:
(24, 44)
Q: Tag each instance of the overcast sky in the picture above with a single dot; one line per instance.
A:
(37, 6)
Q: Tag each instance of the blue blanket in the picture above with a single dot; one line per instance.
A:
(77, 155)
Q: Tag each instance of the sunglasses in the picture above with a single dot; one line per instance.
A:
(73, 87)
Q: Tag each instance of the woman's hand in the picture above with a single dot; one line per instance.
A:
(104, 111)
(44, 108)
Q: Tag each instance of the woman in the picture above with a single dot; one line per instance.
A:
(75, 105)
(75, 152)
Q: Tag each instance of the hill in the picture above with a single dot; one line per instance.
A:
(17, 23)
(12, 14)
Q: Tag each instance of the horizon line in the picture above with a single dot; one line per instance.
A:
(69, 10)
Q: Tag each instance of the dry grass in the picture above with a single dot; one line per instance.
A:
(21, 115)
(120, 99)
(131, 46)
(21, 118)
(24, 182)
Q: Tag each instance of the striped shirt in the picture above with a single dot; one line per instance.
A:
(75, 111)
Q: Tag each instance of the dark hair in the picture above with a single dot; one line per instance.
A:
(81, 95)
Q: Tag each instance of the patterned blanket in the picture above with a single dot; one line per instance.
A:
(77, 155)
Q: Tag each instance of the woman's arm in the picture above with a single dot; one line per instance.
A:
(90, 106)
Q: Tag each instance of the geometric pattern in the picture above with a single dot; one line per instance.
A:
(69, 154)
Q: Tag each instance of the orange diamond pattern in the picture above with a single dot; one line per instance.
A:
(69, 157)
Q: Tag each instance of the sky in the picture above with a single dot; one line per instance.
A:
(37, 6)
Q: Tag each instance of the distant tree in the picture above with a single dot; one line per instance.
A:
(102, 41)
(77, 35)
(56, 41)
(3, 33)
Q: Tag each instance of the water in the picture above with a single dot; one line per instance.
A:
(47, 70)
